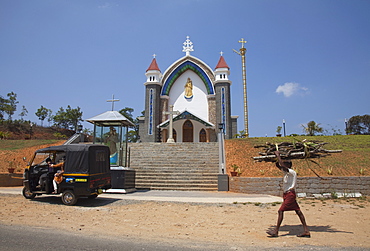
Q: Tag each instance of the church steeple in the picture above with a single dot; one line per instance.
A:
(153, 73)
(222, 69)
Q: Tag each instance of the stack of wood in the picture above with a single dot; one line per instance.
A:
(297, 150)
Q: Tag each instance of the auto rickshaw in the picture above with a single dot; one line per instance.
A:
(86, 172)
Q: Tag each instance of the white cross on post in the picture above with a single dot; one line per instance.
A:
(113, 100)
(171, 113)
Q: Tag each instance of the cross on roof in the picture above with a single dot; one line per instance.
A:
(188, 46)
(154, 55)
(113, 100)
(221, 53)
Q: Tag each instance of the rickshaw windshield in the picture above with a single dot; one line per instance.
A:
(40, 158)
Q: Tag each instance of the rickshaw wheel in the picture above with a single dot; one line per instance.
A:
(69, 198)
(28, 194)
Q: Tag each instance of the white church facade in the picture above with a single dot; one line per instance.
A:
(196, 96)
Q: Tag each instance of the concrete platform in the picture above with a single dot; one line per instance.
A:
(178, 196)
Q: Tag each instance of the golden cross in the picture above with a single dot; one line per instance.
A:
(242, 42)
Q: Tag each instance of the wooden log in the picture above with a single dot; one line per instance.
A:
(296, 155)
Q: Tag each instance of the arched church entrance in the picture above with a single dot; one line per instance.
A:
(174, 135)
(202, 136)
(187, 131)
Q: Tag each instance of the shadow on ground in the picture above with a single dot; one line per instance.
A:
(82, 202)
(298, 229)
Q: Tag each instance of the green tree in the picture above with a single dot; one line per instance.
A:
(132, 135)
(3, 104)
(68, 118)
(359, 124)
(9, 105)
(311, 128)
(42, 113)
(74, 116)
(60, 118)
(23, 113)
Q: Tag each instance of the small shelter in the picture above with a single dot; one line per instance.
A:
(111, 128)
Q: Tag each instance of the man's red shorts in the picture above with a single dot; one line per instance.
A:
(290, 202)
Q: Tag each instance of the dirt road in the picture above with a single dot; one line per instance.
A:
(333, 223)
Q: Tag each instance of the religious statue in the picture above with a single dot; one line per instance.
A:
(111, 140)
(188, 89)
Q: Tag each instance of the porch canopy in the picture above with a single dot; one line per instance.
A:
(110, 118)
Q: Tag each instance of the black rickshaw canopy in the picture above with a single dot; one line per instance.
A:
(82, 158)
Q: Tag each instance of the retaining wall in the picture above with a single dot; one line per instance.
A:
(308, 185)
(11, 179)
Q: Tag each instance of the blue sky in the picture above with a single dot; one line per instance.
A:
(306, 60)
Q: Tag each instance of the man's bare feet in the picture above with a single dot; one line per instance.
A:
(272, 233)
(305, 234)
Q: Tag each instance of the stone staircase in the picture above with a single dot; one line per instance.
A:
(175, 166)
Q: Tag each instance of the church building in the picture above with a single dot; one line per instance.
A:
(189, 97)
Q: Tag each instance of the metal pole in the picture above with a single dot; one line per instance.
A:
(242, 52)
(284, 127)
(222, 162)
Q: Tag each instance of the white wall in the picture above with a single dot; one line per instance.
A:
(198, 105)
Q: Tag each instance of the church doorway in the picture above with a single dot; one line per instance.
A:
(202, 136)
(174, 135)
(187, 131)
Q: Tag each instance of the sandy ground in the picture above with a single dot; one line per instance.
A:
(333, 223)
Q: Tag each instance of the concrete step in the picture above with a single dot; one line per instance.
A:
(178, 166)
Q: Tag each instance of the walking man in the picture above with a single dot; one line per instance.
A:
(289, 197)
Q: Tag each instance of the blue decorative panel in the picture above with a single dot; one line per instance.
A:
(151, 103)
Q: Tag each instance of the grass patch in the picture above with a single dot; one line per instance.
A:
(19, 144)
(353, 161)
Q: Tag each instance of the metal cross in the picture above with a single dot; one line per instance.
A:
(188, 46)
(113, 100)
(242, 42)
(170, 133)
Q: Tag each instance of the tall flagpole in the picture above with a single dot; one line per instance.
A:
(242, 52)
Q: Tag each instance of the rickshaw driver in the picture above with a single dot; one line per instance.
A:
(43, 176)
(53, 169)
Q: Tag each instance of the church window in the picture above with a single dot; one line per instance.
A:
(151, 104)
(202, 136)
(223, 109)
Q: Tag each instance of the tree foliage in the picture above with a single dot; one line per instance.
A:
(3, 104)
(42, 113)
(8, 105)
(68, 118)
(359, 124)
(312, 128)
(132, 135)
(24, 112)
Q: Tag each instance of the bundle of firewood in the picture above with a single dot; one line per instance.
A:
(296, 150)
